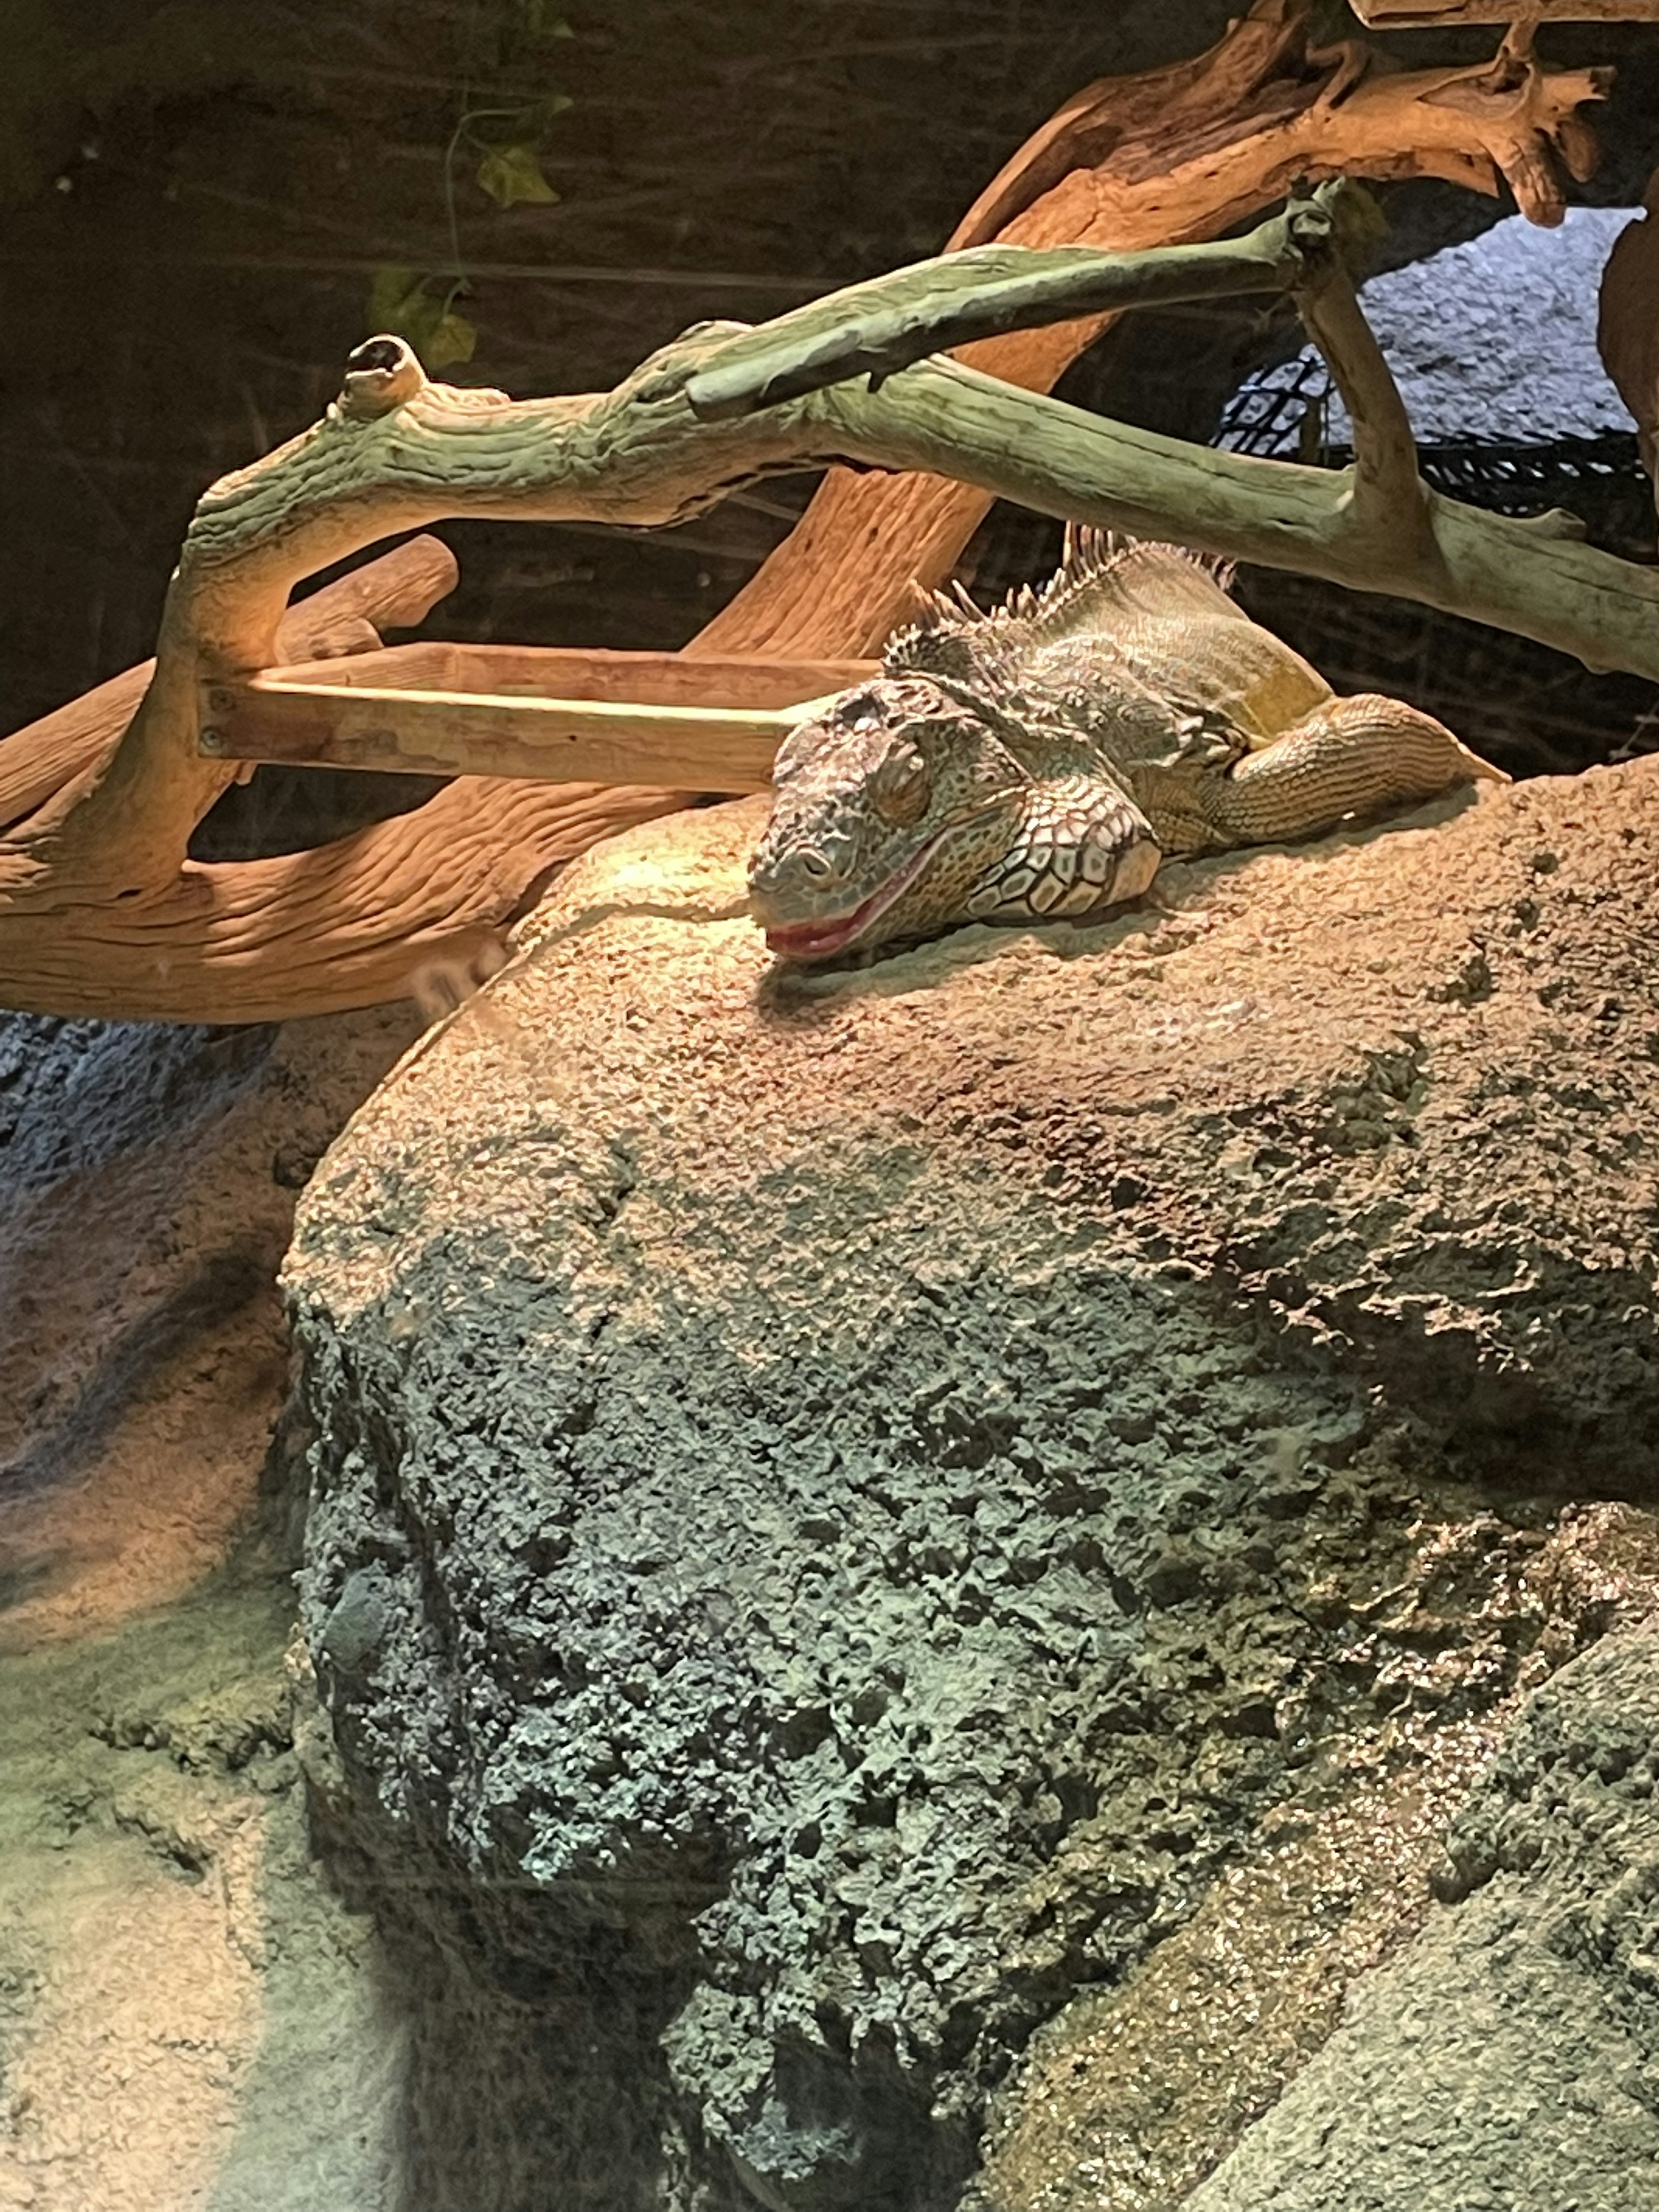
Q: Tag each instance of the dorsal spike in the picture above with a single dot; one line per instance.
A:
(1106, 580)
(1149, 618)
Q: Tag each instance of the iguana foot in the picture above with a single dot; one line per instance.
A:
(1351, 756)
(1080, 844)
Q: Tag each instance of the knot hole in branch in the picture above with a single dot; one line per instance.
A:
(380, 374)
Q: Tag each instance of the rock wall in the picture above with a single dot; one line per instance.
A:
(848, 1508)
(189, 2022)
(1508, 2057)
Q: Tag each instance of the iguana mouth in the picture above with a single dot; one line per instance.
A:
(822, 940)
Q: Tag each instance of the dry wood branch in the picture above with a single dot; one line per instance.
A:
(1627, 326)
(1390, 501)
(986, 291)
(1530, 577)
(100, 913)
(896, 320)
(1410, 14)
(1386, 482)
(346, 925)
(1163, 158)
(397, 591)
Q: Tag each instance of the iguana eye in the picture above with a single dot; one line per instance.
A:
(861, 710)
(902, 786)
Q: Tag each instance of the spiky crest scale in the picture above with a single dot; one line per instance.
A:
(1038, 759)
(1104, 581)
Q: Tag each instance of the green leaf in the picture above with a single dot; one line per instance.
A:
(453, 338)
(399, 301)
(512, 173)
(396, 296)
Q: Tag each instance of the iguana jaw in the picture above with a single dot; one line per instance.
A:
(822, 940)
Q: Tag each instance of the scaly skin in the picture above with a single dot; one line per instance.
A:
(1036, 763)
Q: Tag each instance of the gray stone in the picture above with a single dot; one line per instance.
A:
(876, 1485)
(1509, 2058)
(187, 2013)
(1493, 341)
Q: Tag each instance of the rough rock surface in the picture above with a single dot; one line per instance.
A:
(842, 1504)
(1511, 2057)
(189, 2020)
(148, 1176)
(1493, 339)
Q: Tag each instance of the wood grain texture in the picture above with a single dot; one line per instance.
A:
(1424, 14)
(395, 591)
(564, 738)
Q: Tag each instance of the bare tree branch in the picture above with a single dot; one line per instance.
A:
(875, 328)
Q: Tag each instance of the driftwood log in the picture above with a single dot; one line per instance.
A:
(1413, 14)
(101, 910)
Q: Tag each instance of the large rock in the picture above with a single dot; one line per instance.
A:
(1511, 2057)
(841, 1502)
(1491, 340)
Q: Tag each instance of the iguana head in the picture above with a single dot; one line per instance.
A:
(886, 809)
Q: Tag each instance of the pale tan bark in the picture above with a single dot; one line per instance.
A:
(1414, 14)
(395, 592)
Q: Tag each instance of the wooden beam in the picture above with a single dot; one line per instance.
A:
(547, 714)
(565, 671)
(1423, 15)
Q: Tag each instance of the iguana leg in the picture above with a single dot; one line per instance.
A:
(1080, 843)
(1351, 756)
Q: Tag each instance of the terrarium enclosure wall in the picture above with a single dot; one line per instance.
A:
(1009, 1575)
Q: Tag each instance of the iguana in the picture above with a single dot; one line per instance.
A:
(1037, 761)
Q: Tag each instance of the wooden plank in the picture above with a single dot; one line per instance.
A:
(418, 667)
(656, 679)
(662, 679)
(1422, 14)
(407, 733)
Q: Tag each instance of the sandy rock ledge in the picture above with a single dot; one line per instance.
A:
(944, 1541)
